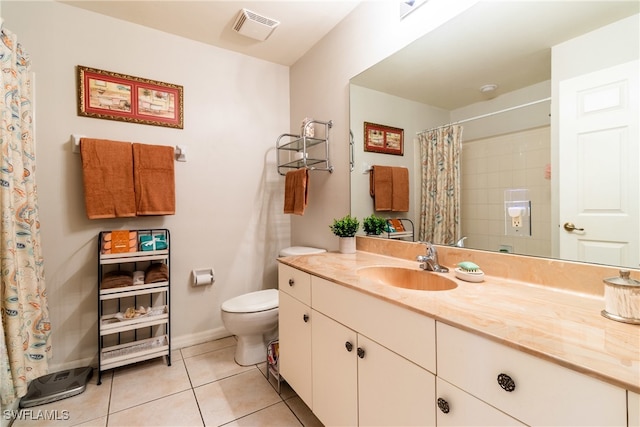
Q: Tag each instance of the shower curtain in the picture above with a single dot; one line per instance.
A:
(24, 340)
(440, 190)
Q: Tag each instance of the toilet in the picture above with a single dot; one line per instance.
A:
(253, 317)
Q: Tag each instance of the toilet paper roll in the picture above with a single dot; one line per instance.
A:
(202, 277)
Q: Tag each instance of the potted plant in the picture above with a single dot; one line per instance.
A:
(346, 228)
(374, 225)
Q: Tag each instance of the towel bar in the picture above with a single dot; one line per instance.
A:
(180, 150)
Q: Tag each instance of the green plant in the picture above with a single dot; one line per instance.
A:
(374, 224)
(346, 226)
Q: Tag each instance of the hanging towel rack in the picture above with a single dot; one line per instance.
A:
(180, 150)
(297, 147)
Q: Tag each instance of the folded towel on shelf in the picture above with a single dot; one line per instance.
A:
(389, 187)
(154, 178)
(112, 242)
(158, 272)
(296, 188)
(400, 191)
(153, 243)
(116, 279)
(381, 187)
(108, 179)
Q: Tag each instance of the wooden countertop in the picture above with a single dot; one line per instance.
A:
(556, 325)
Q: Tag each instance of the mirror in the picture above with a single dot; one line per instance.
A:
(509, 138)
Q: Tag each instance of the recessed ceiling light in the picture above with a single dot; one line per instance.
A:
(488, 88)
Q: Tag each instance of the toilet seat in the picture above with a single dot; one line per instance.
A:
(252, 302)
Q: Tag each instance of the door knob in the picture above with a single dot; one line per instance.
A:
(570, 227)
(305, 317)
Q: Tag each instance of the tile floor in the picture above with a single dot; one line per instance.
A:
(202, 387)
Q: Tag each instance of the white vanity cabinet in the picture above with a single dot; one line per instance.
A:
(363, 347)
(533, 391)
(294, 323)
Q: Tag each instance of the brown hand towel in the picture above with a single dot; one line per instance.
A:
(296, 188)
(117, 279)
(158, 272)
(381, 187)
(107, 171)
(400, 191)
(154, 179)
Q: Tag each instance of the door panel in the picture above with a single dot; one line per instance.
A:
(599, 182)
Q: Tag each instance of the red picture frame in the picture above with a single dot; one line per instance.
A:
(114, 96)
(383, 139)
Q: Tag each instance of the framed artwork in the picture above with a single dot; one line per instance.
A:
(383, 139)
(114, 96)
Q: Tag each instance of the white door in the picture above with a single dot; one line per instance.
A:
(599, 183)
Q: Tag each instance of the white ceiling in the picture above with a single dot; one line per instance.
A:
(302, 23)
(502, 42)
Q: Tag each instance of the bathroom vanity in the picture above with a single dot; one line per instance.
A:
(361, 351)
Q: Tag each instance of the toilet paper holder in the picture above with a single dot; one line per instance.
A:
(202, 276)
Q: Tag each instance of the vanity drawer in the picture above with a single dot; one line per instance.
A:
(457, 408)
(402, 331)
(542, 393)
(295, 282)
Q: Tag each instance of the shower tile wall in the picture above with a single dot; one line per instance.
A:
(492, 165)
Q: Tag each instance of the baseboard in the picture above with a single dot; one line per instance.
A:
(198, 338)
(176, 344)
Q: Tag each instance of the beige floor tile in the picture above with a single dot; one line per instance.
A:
(213, 366)
(98, 422)
(175, 355)
(302, 411)
(178, 409)
(88, 405)
(277, 415)
(140, 383)
(206, 347)
(235, 397)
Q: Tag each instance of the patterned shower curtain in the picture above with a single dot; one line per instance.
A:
(24, 342)
(440, 190)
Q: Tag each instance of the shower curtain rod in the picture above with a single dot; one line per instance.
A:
(482, 116)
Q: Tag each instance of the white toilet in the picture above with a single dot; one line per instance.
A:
(253, 317)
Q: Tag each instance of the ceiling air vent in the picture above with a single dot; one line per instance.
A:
(250, 24)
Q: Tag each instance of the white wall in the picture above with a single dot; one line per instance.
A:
(229, 195)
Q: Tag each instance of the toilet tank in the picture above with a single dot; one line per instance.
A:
(300, 250)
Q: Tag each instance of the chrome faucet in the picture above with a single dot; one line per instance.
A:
(430, 260)
(460, 242)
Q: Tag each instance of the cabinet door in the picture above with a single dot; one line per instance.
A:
(633, 405)
(457, 409)
(335, 370)
(391, 389)
(294, 323)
